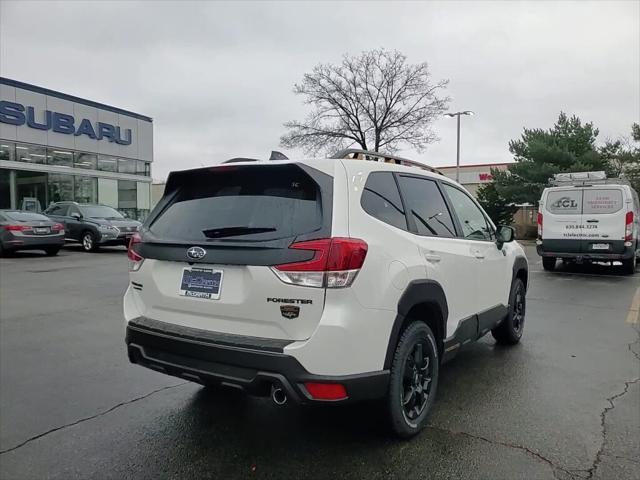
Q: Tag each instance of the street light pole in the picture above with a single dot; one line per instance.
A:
(457, 114)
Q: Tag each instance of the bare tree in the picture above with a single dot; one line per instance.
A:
(375, 101)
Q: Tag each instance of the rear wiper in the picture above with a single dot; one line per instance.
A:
(235, 231)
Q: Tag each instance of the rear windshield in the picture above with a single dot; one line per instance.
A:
(242, 203)
(25, 216)
(584, 200)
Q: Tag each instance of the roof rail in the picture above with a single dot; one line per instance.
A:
(357, 154)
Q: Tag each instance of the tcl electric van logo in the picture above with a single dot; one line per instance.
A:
(565, 202)
(17, 114)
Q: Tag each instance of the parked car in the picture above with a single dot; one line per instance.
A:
(586, 217)
(21, 230)
(320, 281)
(93, 225)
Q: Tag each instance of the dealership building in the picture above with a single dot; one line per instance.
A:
(56, 147)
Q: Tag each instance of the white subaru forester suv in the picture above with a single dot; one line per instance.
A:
(320, 281)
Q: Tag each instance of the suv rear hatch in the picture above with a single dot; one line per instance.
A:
(209, 246)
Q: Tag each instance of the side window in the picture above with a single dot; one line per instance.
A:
(427, 207)
(473, 222)
(73, 209)
(381, 199)
(60, 210)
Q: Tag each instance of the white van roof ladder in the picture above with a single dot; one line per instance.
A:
(585, 179)
(356, 154)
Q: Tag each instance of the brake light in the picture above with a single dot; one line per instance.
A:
(628, 227)
(57, 227)
(326, 391)
(539, 224)
(335, 263)
(135, 259)
(17, 228)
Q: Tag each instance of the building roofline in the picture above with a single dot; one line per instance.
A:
(479, 165)
(71, 98)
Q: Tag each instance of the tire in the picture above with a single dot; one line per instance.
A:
(88, 241)
(629, 265)
(510, 330)
(549, 263)
(52, 251)
(408, 417)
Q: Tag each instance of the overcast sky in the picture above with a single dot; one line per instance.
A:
(217, 77)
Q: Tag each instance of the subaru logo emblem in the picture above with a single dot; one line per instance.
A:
(196, 253)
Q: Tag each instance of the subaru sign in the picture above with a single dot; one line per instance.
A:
(17, 114)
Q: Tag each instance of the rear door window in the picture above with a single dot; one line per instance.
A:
(603, 200)
(243, 204)
(565, 202)
(381, 199)
(426, 207)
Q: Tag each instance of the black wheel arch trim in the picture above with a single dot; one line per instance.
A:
(520, 264)
(416, 293)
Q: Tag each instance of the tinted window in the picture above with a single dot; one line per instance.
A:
(427, 207)
(381, 199)
(472, 220)
(58, 210)
(244, 203)
(25, 216)
(565, 202)
(99, 211)
(605, 200)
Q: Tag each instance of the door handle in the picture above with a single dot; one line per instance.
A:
(432, 258)
(593, 221)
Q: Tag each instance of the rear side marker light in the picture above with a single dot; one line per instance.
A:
(335, 263)
(135, 259)
(326, 391)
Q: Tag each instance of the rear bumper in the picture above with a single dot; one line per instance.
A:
(251, 364)
(33, 242)
(623, 253)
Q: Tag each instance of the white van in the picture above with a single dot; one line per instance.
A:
(585, 217)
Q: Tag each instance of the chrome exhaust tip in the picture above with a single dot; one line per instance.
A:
(278, 395)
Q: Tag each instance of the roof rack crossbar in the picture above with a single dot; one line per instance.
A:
(357, 154)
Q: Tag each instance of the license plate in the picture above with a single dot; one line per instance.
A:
(201, 283)
(600, 246)
(41, 230)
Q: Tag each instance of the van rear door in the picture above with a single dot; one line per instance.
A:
(562, 226)
(603, 215)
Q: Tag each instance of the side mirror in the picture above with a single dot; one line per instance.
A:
(504, 234)
(76, 215)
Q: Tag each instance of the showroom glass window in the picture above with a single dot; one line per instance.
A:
(126, 165)
(141, 167)
(85, 160)
(107, 164)
(127, 197)
(7, 151)
(86, 189)
(5, 188)
(30, 153)
(60, 188)
(31, 190)
(59, 157)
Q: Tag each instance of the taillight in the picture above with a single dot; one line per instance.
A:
(539, 224)
(135, 259)
(335, 263)
(628, 227)
(17, 228)
(57, 227)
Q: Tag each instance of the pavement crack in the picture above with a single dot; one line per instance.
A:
(603, 424)
(572, 473)
(85, 419)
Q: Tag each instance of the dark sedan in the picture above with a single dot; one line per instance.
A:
(21, 230)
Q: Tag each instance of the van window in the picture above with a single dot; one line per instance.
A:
(603, 200)
(565, 202)
(244, 203)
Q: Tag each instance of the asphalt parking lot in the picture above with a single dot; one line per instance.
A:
(565, 403)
